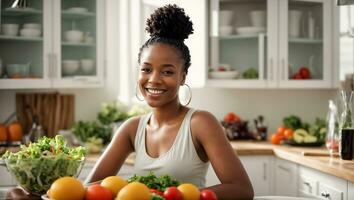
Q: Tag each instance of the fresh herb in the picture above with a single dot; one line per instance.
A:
(318, 129)
(156, 197)
(250, 73)
(91, 129)
(153, 182)
(294, 122)
(112, 112)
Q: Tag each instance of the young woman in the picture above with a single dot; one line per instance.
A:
(174, 139)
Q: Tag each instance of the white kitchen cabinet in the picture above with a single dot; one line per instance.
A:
(286, 178)
(350, 190)
(276, 51)
(320, 185)
(259, 170)
(83, 55)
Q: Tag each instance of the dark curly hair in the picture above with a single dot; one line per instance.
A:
(169, 25)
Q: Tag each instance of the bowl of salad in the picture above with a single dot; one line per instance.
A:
(36, 166)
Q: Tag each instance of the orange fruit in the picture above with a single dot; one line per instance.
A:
(134, 191)
(15, 131)
(114, 184)
(67, 188)
(288, 133)
(189, 191)
(3, 133)
(275, 138)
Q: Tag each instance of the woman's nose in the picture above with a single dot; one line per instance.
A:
(155, 77)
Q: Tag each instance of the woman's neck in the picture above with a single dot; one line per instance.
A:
(168, 114)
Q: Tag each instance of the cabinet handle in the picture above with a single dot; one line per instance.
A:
(309, 186)
(54, 65)
(283, 168)
(265, 171)
(283, 70)
(49, 68)
(325, 194)
(271, 75)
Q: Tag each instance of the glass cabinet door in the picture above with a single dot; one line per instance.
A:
(78, 43)
(239, 40)
(24, 44)
(305, 43)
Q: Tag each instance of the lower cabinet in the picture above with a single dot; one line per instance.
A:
(321, 186)
(350, 190)
(259, 170)
(286, 178)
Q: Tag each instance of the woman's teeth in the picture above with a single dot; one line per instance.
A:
(154, 91)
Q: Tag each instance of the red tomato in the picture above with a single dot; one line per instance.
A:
(275, 139)
(304, 73)
(297, 76)
(172, 193)
(155, 191)
(208, 195)
(231, 117)
(97, 192)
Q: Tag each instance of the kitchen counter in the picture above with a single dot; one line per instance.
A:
(331, 165)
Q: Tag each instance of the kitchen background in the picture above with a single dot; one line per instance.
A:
(304, 99)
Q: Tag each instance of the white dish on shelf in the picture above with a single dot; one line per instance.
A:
(74, 36)
(9, 29)
(30, 32)
(70, 67)
(223, 74)
(226, 30)
(32, 25)
(250, 30)
(77, 9)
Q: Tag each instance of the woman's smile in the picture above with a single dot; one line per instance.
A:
(155, 92)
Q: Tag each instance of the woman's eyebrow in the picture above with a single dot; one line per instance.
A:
(168, 65)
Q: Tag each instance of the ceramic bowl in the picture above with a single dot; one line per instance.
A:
(9, 29)
(87, 66)
(258, 18)
(74, 36)
(226, 30)
(77, 9)
(17, 70)
(70, 67)
(225, 17)
(223, 74)
(30, 32)
(33, 26)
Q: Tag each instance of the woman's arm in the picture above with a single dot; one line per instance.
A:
(208, 132)
(117, 151)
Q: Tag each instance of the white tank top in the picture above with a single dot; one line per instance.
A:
(181, 161)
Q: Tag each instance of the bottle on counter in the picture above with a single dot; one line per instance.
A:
(346, 137)
(332, 139)
(36, 131)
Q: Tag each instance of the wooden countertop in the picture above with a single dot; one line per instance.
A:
(331, 165)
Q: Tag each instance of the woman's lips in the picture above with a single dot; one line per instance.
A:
(154, 91)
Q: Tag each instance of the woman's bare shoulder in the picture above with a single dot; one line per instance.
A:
(204, 122)
(203, 117)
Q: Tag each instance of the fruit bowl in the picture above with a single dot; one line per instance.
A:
(303, 144)
(223, 74)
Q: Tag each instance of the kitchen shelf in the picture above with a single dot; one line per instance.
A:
(305, 40)
(77, 15)
(233, 37)
(21, 12)
(78, 44)
(20, 38)
(236, 83)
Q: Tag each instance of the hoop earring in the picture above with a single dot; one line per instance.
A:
(190, 95)
(136, 93)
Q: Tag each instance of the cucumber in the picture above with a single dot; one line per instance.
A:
(310, 139)
(299, 135)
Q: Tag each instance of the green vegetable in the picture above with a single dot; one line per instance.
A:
(86, 130)
(153, 182)
(318, 129)
(156, 197)
(38, 165)
(294, 122)
(112, 112)
(250, 73)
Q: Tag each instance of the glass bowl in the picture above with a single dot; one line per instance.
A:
(37, 174)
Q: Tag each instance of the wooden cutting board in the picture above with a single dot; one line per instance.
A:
(55, 111)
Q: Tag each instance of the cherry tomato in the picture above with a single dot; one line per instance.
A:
(231, 117)
(97, 192)
(304, 73)
(155, 191)
(275, 139)
(297, 76)
(208, 195)
(172, 193)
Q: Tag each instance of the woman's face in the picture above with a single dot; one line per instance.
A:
(161, 74)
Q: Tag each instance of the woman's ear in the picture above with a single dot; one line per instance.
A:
(184, 75)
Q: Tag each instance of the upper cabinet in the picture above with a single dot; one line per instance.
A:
(52, 44)
(270, 44)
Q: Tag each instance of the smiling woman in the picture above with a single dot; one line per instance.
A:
(173, 139)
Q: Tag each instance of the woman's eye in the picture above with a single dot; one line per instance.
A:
(168, 72)
(146, 70)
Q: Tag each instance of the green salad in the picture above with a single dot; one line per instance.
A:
(39, 164)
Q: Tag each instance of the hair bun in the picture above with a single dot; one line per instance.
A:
(169, 21)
